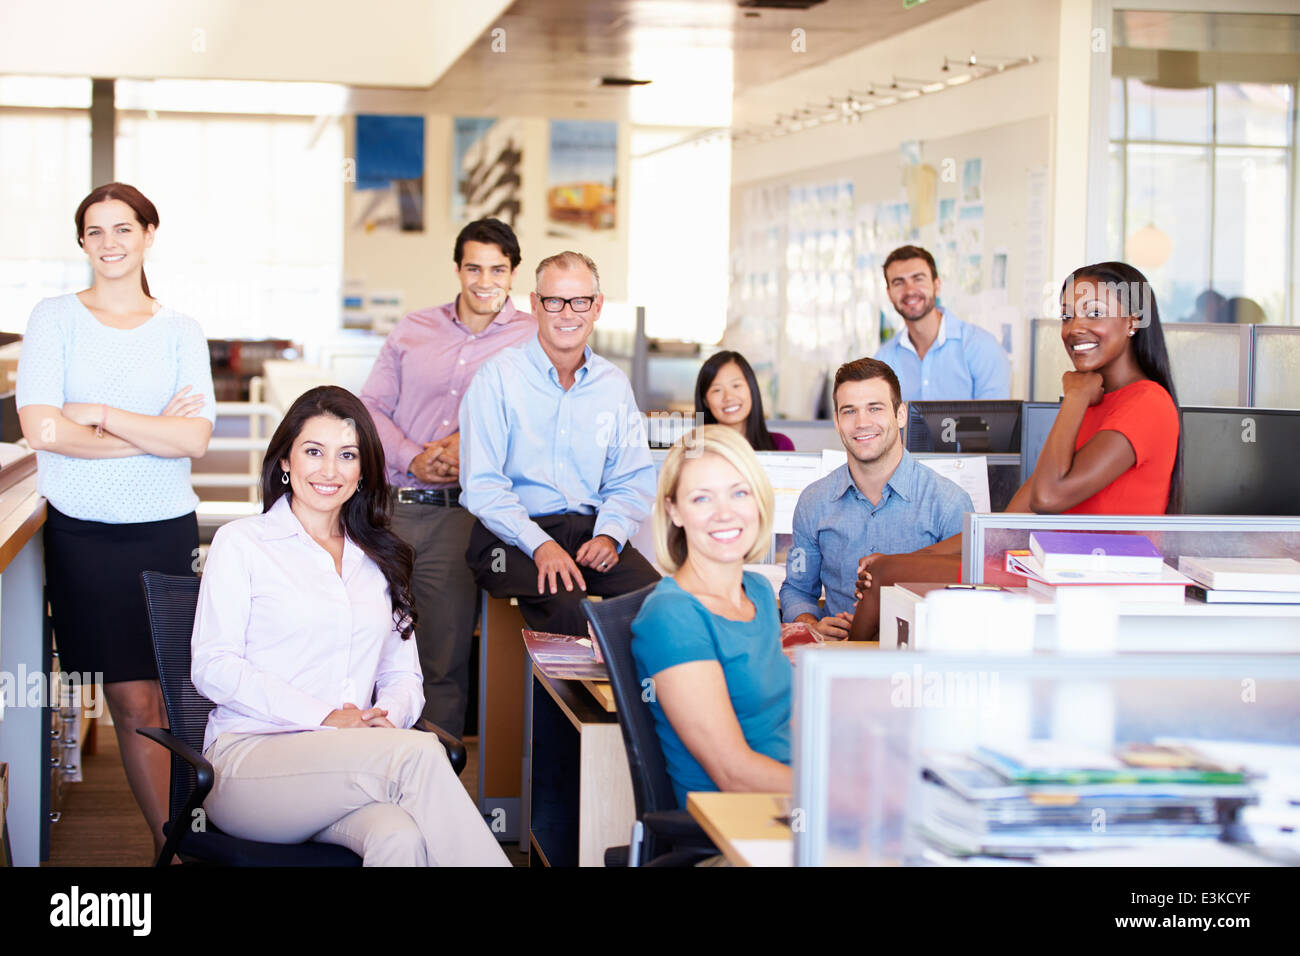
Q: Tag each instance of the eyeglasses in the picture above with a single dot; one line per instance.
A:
(579, 303)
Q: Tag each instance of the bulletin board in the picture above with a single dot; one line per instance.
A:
(807, 290)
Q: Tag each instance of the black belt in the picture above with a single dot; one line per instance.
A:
(442, 497)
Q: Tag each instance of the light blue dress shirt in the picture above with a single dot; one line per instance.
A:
(835, 524)
(529, 448)
(965, 362)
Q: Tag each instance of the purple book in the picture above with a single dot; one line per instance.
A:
(1090, 551)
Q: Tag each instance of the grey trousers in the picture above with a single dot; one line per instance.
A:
(446, 600)
(390, 796)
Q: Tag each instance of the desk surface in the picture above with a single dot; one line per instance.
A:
(745, 826)
(22, 512)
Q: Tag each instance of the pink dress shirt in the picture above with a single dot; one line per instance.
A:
(281, 639)
(422, 373)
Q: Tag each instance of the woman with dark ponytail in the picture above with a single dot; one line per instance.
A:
(115, 395)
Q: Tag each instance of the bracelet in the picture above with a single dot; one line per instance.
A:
(99, 427)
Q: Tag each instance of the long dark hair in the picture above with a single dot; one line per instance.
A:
(366, 515)
(146, 213)
(755, 428)
(1148, 344)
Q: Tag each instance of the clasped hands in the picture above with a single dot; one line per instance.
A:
(600, 554)
(439, 462)
(350, 715)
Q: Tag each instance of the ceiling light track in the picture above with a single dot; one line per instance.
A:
(850, 107)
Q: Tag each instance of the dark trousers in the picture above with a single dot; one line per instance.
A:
(446, 602)
(504, 572)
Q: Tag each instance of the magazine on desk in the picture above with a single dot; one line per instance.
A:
(565, 656)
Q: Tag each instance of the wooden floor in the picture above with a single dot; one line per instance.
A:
(102, 826)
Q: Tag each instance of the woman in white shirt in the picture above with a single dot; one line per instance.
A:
(303, 641)
(115, 395)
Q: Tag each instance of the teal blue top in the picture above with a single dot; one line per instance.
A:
(674, 628)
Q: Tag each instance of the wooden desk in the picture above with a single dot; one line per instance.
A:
(24, 736)
(504, 677)
(580, 788)
(745, 826)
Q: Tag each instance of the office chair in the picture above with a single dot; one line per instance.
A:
(663, 834)
(171, 601)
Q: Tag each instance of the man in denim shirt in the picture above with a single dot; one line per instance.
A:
(881, 501)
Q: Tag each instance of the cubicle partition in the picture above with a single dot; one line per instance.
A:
(986, 538)
(1212, 363)
(872, 730)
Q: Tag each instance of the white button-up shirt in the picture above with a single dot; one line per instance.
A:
(281, 639)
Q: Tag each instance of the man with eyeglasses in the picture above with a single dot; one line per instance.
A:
(414, 394)
(555, 463)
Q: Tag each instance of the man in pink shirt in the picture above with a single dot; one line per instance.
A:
(414, 394)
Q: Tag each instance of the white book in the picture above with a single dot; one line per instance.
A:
(1243, 574)
(1211, 596)
(1174, 593)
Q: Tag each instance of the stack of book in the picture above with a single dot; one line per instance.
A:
(1127, 566)
(1016, 802)
(1243, 580)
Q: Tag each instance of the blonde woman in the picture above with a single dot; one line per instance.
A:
(709, 636)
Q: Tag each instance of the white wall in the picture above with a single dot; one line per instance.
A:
(419, 264)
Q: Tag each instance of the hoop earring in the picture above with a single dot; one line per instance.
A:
(360, 483)
(284, 477)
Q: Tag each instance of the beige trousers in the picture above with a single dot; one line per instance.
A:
(388, 795)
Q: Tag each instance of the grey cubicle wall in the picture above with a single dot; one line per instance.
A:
(1211, 362)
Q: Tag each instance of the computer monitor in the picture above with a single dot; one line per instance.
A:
(983, 427)
(1240, 461)
(1035, 422)
(1236, 461)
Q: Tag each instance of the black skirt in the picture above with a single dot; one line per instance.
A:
(92, 580)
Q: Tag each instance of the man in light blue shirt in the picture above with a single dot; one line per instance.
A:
(937, 357)
(554, 461)
(882, 501)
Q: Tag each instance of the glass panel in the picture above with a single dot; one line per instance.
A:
(1253, 114)
(1116, 107)
(1175, 536)
(1250, 233)
(1115, 207)
(1277, 368)
(1168, 188)
(1178, 115)
(1050, 361)
(889, 765)
(1206, 364)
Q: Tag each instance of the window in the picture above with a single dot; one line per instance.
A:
(44, 173)
(250, 241)
(1201, 190)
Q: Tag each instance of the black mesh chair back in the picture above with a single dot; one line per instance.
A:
(172, 601)
(611, 620)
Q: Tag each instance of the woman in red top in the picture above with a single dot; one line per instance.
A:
(1116, 444)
